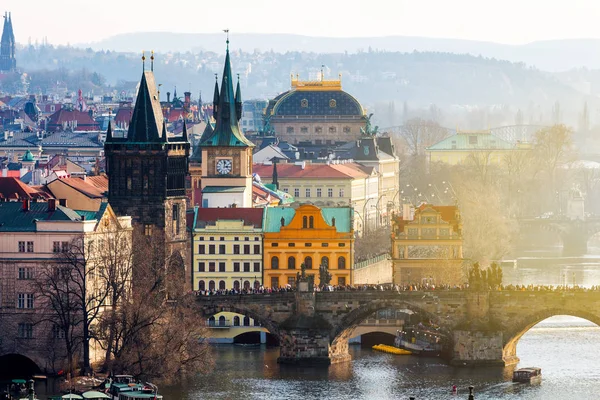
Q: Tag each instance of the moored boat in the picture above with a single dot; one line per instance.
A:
(527, 375)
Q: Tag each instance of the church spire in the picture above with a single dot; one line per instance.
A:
(216, 98)
(109, 132)
(184, 132)
(238, 99)
(227, 130)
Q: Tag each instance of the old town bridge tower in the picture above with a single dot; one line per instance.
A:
(147, 172)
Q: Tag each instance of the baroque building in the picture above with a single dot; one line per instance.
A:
(147, 172)
(316, 112)
(226, 153)
(8, 63)
(311, 236)
(429, 247)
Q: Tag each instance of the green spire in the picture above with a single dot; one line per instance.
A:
(238, 99)
(227, 130)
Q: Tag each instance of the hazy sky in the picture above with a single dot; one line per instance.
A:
(505, 21)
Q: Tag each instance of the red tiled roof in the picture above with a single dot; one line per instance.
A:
(13, 174)
(123, 115)
(85, 186)
(309, 171)
(13, 188)
(250, 216)
(84, 121)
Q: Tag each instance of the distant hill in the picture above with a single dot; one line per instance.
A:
(552, 55)
(486, 91)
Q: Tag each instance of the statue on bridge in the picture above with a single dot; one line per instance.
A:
(324, 275)
(485, 279)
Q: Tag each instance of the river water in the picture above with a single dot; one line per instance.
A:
(566, 348)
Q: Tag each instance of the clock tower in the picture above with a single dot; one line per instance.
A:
(226, 152)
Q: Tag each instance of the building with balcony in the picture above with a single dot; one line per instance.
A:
(227, 248)
(311, 236)
(428, 247)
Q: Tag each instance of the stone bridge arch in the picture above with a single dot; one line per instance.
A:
(17, 365)
(513, 333)
(259, 315)
(341, 331)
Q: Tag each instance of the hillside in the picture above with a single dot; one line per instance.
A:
(418, 78)
(551, 55)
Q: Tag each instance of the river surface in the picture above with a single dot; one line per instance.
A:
(566, 348)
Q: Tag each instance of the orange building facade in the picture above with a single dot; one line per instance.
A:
(311, 236)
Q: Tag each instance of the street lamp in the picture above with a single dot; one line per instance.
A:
(366, 226)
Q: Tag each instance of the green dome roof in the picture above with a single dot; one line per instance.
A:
(28, 157)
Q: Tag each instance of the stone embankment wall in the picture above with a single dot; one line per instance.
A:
(374, 271)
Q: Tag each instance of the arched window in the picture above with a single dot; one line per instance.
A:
(274, 262)
(222, 285)
(311, 222)
(308, 262)
(211, 321)
(211, 285)
(256, 285)
(256, 323)
(246, 321)
(291, 262)
(236, 321)
(305, 222)
(325, 261)
(222, 320)
(341, 263)
(201, 285)
(236, 285)
(247, 285)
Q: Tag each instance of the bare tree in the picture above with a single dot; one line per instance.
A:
(420, 134)
(156, 333)
(64, 287)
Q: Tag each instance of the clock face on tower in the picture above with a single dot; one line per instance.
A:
(224, 166)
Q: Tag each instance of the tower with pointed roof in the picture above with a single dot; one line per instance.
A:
(147, 171)
(226, 152)
(8, 63)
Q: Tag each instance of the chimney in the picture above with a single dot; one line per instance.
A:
(51, 205)
(62, 202)
(168, 97)
(26, 205)
(187, 99)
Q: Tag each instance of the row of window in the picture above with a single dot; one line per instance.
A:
(223, 249)
(25, 331)
(308, 244)
(57, 247)
(223, 286)
(308, 262)
(212, 321)
(318, 129)
(212, 267)
(319, 192)
(428, 232)
(222, 239)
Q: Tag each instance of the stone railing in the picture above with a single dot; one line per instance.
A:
(372, 261)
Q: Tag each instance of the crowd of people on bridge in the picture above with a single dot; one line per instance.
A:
(418, 287)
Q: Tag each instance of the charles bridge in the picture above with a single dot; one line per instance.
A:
(479, 328)
(574, 233)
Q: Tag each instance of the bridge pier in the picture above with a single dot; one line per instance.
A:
(476, 347)
(305, 336)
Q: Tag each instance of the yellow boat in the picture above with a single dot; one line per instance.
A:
(390, 349)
